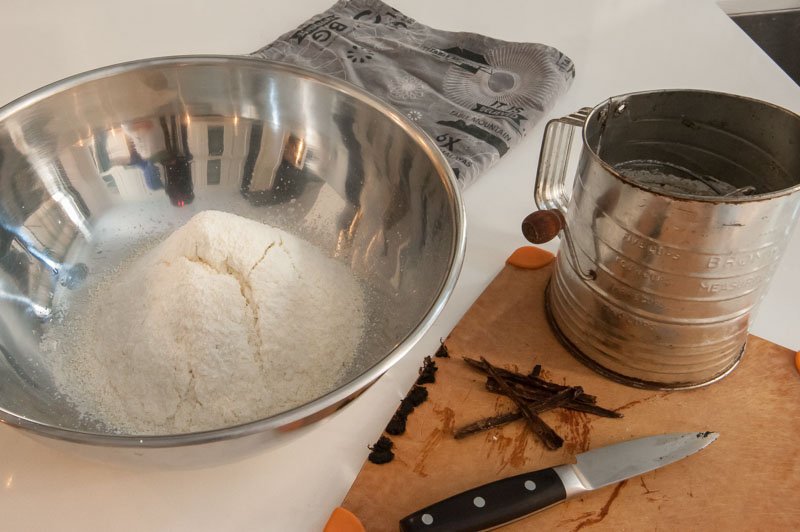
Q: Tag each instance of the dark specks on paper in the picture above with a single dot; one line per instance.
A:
(578, 428)
(647, 490)
(447, 418)
(647, 399)
(508, 451)
(597, 517)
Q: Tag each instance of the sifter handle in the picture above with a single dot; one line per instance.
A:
(550, 193)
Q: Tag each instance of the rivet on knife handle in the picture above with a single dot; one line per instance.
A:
(490, 505)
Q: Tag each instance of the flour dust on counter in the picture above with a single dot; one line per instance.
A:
(226, 321)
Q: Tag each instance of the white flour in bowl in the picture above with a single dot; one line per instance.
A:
(226, 321)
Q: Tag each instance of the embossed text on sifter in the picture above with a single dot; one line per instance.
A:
(682, 205)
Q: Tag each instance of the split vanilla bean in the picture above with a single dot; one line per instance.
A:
(530, 381)
(545, 433)
(536, 396)
(532, 395)
(486, 424)
(561, 398)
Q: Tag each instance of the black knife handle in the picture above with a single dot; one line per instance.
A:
(490, 505)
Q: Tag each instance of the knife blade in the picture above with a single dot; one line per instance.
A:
(513, 498)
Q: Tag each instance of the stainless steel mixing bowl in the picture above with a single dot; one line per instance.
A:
(93, 164)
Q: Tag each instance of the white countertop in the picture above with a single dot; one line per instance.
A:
(618, 46)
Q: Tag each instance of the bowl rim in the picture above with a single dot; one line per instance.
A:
(322, 406)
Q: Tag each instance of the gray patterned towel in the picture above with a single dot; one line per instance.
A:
(474, 95)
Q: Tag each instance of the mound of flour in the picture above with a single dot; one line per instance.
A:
(226, 321)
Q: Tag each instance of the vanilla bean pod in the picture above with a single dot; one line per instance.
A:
(381, 452)
(427, 373)
(442, 352)
(540, 428)
(486, 424)
(528, 380)
(561, 398)
(536, 395)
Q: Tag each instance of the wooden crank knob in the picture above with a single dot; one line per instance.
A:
(542, 226)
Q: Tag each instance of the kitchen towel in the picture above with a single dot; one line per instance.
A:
(474, 95)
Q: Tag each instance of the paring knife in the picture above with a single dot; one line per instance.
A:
(507, 500)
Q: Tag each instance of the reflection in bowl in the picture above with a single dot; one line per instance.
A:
(97, 165)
